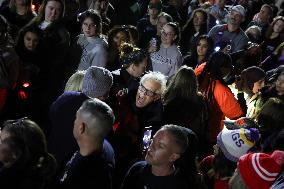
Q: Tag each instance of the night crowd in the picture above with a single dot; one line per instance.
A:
(142, 94)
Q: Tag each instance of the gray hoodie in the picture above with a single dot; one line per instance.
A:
(94, 52)
(166, 60)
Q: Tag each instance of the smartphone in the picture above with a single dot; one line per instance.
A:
(153, 42)
(147, 138)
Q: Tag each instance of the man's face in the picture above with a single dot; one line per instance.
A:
(161, 149)
(264, 14)
(235, 18)
(52, 11)
(147, 93)
(153, 12)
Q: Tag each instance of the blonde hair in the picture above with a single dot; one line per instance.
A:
(74, 83)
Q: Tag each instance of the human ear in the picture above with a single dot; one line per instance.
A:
(174, 157)
(82, 128)
(157, 97)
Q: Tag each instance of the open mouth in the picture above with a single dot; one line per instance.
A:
(139, 100)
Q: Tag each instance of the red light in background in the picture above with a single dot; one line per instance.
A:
(26, 84)
(33, 7)
(23, 95)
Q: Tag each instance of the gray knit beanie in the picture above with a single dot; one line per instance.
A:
(97, 82)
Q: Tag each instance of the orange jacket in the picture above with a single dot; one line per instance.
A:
(224, 104)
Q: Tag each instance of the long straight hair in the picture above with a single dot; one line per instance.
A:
(182, 85)
(28, 5)
(41, 13)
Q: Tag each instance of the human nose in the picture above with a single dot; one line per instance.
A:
(142, 93)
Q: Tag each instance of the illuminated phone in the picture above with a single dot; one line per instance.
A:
(147, 138)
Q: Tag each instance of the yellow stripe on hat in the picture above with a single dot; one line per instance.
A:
(243, 136)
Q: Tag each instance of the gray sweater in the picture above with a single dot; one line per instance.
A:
(94, 52)
(166, 60)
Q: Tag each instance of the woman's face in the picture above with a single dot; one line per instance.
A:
(161, 22)
(120, 38)
(89, 28)
(202, 47)
(138, 70)
(198, 19)
(278, 26)
(52, 11)
(257, 86)
(168, 35)
(31, 41)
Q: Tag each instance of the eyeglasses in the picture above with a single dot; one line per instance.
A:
(163, 32)
(147, 92)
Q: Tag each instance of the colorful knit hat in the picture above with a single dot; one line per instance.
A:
(235, 143)
(259, 170)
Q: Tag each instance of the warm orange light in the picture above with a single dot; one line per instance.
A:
(33, 7)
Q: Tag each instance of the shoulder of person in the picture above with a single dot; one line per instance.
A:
(139, 167)
(116, 72)
(216, 28)
(102, 41)
(9, 54)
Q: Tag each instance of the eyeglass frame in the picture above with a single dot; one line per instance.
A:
(146, 91)
(171, 34)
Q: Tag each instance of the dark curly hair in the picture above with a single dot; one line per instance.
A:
(94, 16)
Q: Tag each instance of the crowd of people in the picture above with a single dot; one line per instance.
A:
(152, 94)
